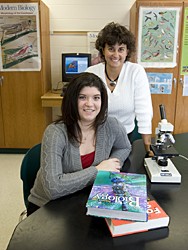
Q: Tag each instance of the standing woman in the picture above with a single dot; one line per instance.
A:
(127, 83)
(81, 142)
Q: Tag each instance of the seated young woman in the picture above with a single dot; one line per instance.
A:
(79, 144)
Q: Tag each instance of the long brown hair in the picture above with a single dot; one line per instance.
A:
(69, 107)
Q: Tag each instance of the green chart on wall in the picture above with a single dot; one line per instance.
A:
(184, 57)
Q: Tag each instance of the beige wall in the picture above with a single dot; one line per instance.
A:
(80, 15)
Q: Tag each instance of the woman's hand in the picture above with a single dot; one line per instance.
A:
(149, 154)
(112, 164)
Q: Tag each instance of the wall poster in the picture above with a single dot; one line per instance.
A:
(184, 54)
(19, 37)
(158, 36)
(91, 38)
(185, 86)
(160, 83)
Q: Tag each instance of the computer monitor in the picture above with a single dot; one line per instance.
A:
(73, 64)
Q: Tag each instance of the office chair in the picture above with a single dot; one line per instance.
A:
(132, 138)
(135, 135)
(29, 168)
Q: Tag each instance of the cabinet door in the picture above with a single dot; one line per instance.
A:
(181, 118)
(23, 116)
(2, 139)
(169, 100)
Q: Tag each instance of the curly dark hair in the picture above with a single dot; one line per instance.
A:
(69, 108)
(114, 33)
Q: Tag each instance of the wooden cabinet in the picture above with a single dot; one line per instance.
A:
(175, 103)
(22, 118)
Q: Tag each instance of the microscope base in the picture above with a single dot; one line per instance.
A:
(156, 173)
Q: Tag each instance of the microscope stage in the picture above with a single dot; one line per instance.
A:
(160, 174)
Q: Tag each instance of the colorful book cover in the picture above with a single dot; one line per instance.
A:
(118, 195)
(157, 218)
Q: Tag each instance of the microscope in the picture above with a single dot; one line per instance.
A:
(160, 168)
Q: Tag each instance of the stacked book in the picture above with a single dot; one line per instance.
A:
(122, 199)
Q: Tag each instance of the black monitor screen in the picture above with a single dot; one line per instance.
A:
(74, 63)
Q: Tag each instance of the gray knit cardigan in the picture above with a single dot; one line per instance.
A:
(61, 171)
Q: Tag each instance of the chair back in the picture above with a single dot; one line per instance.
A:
(29, 168)
(135, 135)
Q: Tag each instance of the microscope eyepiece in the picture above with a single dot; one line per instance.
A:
(162, 111)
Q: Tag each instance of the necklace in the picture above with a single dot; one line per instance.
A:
(88, 138)
(112, 82)
(87, 135)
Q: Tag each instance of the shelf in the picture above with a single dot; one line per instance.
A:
(50, 99)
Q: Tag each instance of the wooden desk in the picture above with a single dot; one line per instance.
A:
(50, 99)
(63, 223)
